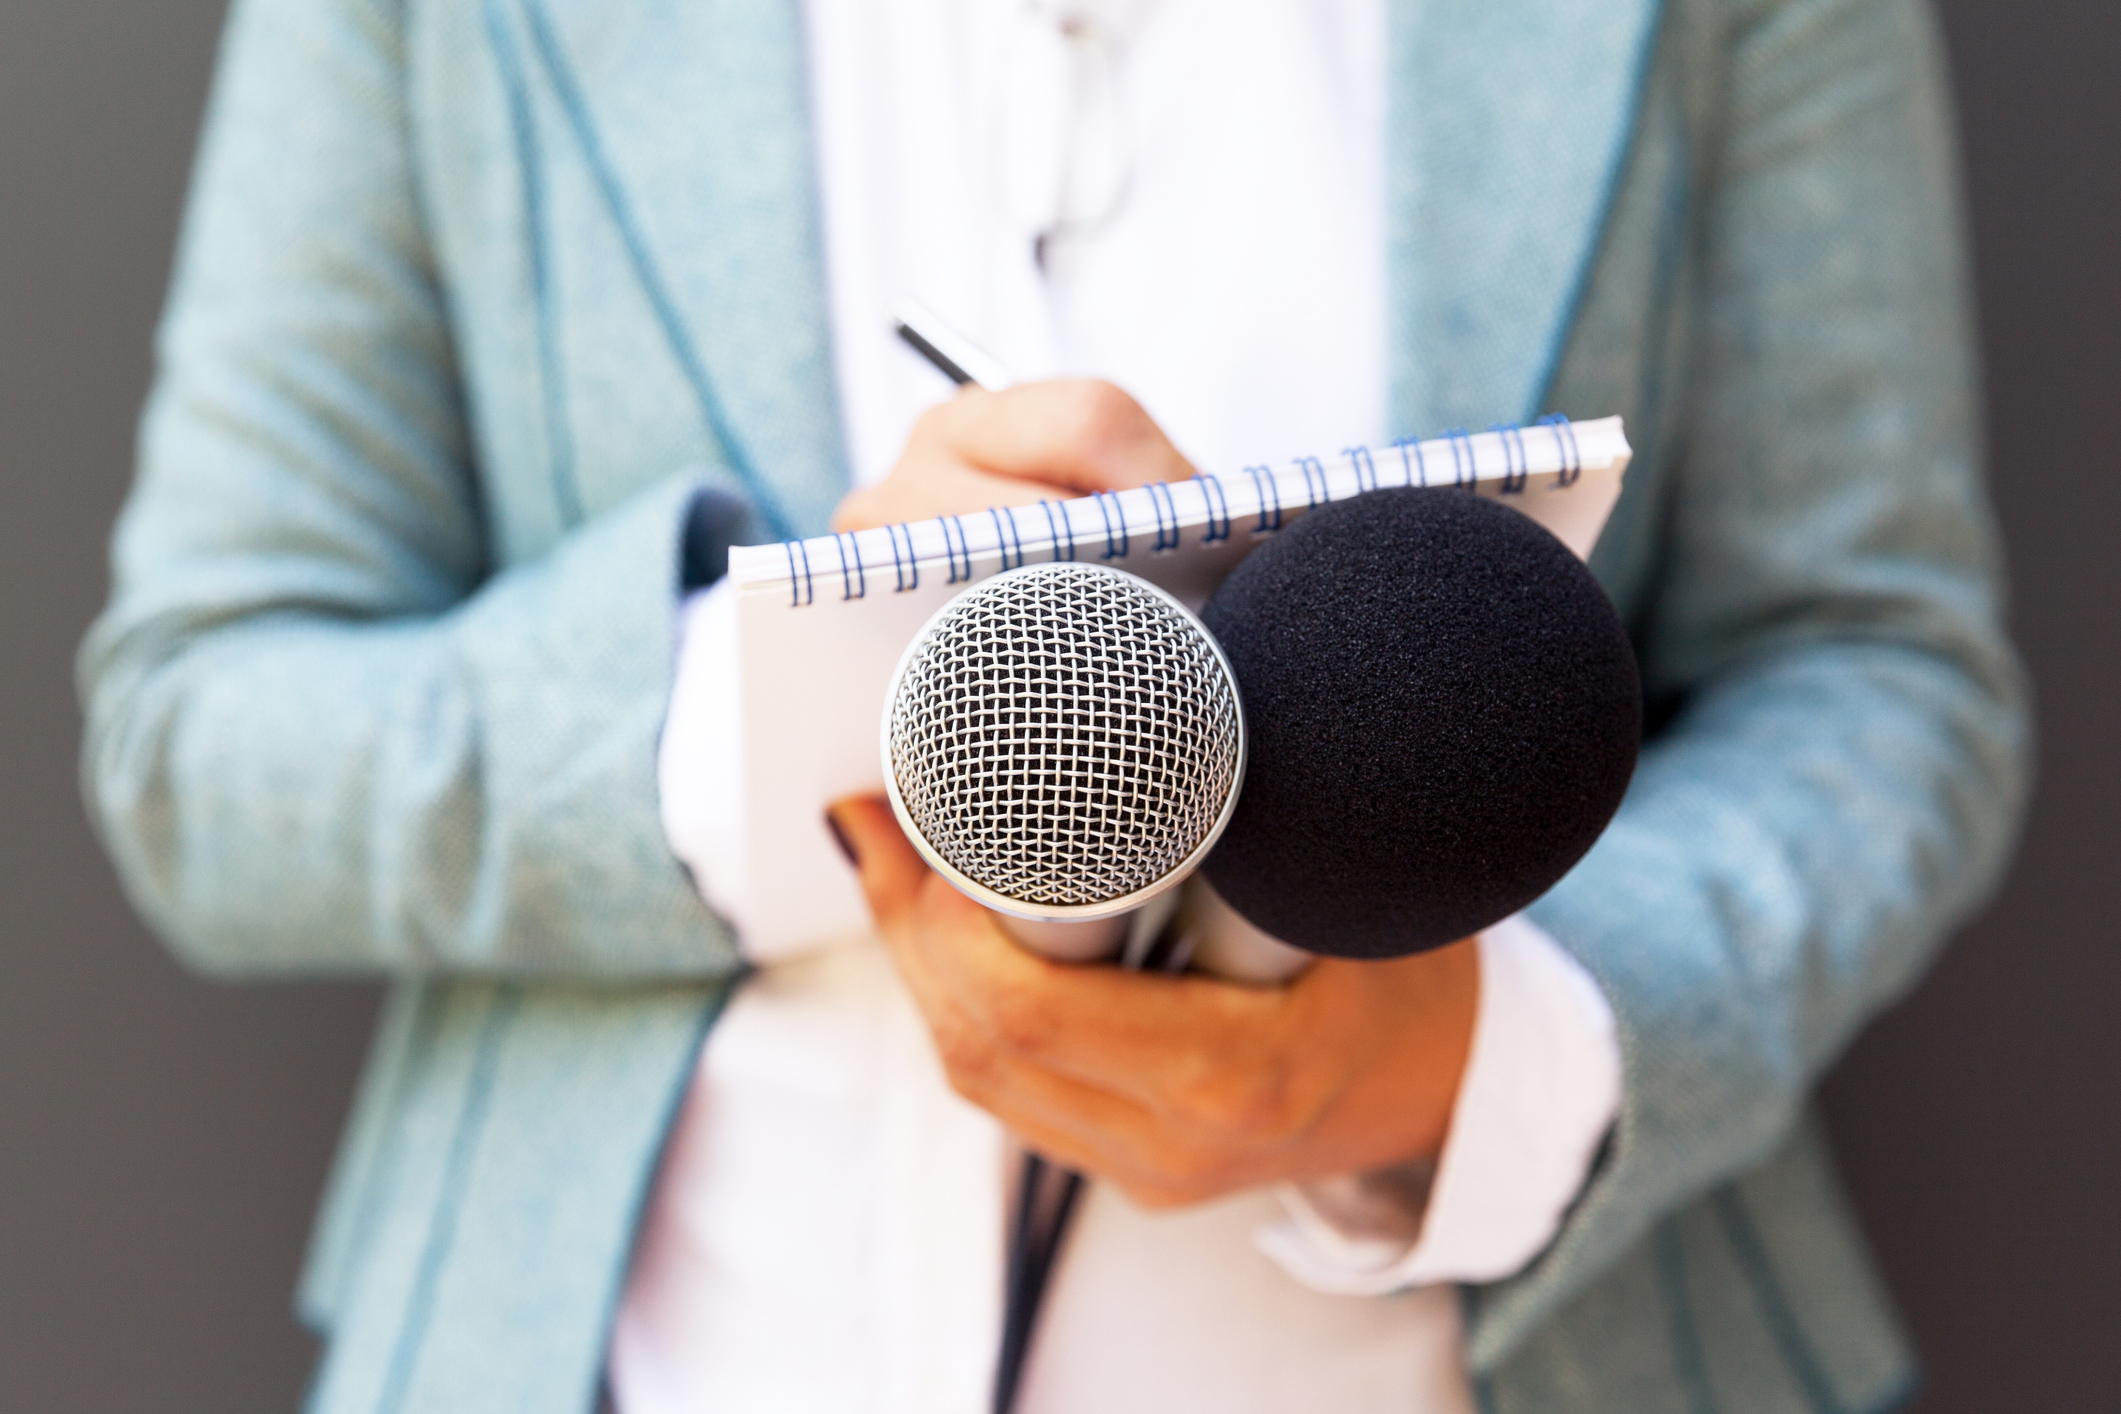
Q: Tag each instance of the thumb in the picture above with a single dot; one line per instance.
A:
(891, 870)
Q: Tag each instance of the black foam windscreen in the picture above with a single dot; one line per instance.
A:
(1443, 713)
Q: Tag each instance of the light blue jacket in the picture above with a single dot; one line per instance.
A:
(476, 296)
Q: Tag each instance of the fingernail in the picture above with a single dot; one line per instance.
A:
(839, 837)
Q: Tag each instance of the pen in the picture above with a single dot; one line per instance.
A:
(955, 356)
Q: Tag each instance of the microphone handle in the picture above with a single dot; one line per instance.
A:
(1069, 940)
(1212, 936)
(1126, 938)
(1218, 940)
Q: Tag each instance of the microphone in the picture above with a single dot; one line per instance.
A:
(1064, 743)
(1443, 713)
(1440, 706)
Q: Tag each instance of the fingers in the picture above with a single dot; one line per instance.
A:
(1137, 1079)
(1170, 1044)
(1159, 1162)
(891, 870)
(1201, 1052)
(1015, 447)
(1080, 434)
(935, 935)
(929, 483)
(1355, 1066)
(1175, 1088)
(1117, 1142)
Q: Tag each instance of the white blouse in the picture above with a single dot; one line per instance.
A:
(825, 1236)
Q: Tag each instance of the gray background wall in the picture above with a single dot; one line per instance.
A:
(162, 1139)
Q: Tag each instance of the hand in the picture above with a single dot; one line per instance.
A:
(1036, 441)
(1177, 1089)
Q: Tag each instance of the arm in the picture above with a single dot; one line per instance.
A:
(1845, 773)
(322, 734)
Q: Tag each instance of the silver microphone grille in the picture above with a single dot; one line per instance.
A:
(1065, 737)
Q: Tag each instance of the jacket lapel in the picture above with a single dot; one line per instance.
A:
(1510, 121)
(694, 121)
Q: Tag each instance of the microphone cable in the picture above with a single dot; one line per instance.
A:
(1033, 1248)
(1040, 1223)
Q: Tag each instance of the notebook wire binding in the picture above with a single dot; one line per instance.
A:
(1548, 456)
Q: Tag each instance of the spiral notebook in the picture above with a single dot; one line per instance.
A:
(821, 623)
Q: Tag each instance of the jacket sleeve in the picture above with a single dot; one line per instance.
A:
(323, 735)
(1849, 757)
